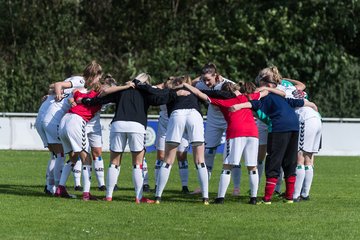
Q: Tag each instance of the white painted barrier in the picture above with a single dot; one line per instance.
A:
(341, 137)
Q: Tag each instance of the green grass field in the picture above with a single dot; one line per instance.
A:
(26, 213)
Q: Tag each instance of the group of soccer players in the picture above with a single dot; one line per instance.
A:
(270, 117)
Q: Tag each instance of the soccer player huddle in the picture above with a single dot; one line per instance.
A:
(269, 119)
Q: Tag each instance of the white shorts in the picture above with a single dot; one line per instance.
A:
(246, 147)
(118, 141)
(94, 135)
(185, 120)
(52, 131)
(310, 135)
(72, 133)
(263, 132)
(213, 135)
(161, 135)
(41, 131)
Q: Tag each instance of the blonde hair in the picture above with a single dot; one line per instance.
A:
(270, 75)
(144, 77)
(92, 71)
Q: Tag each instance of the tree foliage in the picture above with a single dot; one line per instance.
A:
(316, 42)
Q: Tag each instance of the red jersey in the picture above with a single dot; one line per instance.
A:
(240, 123)
(86, 112)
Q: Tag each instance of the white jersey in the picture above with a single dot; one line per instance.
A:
(303, 113)
(214, 115)
(44, 107)
(59, 108)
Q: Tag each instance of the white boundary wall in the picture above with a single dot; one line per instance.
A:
(341, 137)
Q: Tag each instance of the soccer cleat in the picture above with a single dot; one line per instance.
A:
(116, 188)
(88, 197)
(185, 190)
(143, 200)
(296, 200)
(219, 200)
(102, 188)
(265, 202)
(305, 198)
(253, 201)
(107, 199)
(196, 191)
(206, 201)
(47, 192)
(236, 192)
(146, 188)
(78, 188)
(288, 201)
(61, 192)
(279, 194)
(157, 200)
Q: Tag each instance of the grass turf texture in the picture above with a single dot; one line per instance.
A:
(26, 213)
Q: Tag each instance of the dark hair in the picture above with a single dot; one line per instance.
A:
(229, 87)
(109, 80)
(247, 88)
(209, 68)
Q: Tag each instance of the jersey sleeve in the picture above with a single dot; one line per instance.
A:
(77, 81)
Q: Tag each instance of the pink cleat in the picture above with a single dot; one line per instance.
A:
(88, 197)
(144, 200)
(196, 191)
(62, 192)
(107, 199)
(236, 192)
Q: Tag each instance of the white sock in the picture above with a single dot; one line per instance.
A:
(50, 174)
(99, 170)
(145, 172)
(279, 181)
(58, 167)
(67, 169)
(158, 164)
(203, 179)
(184, 172)
(138, 180)
(260, 168)
(224, 183)
(111, 179)
(309, 175)
(254, 182)
(300, 176)
(86, 172)
(163, 177)
(236, 175)
(77, 173)
(209, 159)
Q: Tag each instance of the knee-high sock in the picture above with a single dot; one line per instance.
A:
(99, 170)
(112, 178)
(59, 164)
(290, 184)
(209, 160)
(158, 164)
(260, 168)
(269, 188)
(50, 172)
(254, 182)
(203, 179)
(138, 180)
(163, 177)
(300, 176)
(279, 181)
(86, 172)
(145, 172)
(309, 175)
(236, 175)
(224, 183)
(184, 172)
(77, 172)
(67, 169)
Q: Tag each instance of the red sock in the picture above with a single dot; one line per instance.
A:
(290, 185)
(269, 188)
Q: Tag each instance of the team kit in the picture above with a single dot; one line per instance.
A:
(270, 126)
